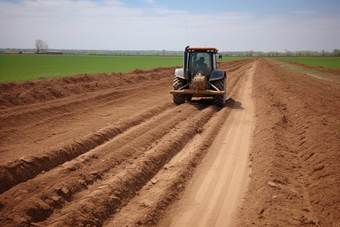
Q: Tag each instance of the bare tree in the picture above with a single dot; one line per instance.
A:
(41, 46)
(45, 47)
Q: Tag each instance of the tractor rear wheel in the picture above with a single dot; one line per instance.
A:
(219, 100)
(178, 83)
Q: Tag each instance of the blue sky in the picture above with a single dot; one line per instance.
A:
(261, 25)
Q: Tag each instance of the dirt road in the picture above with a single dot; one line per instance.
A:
(113, 150)
(218, 186)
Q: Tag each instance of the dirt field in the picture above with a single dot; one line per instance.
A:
(113, 150)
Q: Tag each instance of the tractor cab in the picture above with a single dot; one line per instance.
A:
(200, 60)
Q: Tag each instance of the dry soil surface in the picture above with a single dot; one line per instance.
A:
(113, 150)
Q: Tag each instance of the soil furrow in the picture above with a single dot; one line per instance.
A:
(11, 173)
(32, 114)
(124, 185)
(292, 131)
(23, 93)
(87, 169)
(157, 195)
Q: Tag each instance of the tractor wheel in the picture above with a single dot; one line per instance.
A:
(178, 99)
(219, 100)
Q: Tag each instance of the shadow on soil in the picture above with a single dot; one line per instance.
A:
(236, 105)
(204, 102)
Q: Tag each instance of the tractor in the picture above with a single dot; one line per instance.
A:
(199, 77)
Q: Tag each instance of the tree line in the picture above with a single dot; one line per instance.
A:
(287, 53)
(42, 47)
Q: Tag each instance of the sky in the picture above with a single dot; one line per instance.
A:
(262, 25)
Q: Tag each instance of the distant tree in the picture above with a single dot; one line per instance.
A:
(336, 53)
(271, 54)
(323, 53)
(306, 53)
(41, 46)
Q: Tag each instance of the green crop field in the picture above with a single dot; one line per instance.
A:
(326, 62)
(17, 67)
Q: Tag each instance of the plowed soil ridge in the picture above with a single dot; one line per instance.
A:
(146, 168)
(155, 197)
(140, 171)
(11, 173)
(113, 150)
(295, 158)
(25, 93)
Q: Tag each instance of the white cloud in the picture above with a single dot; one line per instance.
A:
(149, 1)
(85, 24)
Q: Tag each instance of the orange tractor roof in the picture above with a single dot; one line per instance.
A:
(202, 48)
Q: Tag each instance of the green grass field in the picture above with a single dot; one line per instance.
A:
(17, 68)
(326, 62)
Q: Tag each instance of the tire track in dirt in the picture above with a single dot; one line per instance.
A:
(218, 187)
(155, 197)
(153, 200)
